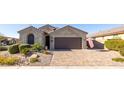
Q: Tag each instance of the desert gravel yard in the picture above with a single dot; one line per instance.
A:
(44, 60)
(85, 58)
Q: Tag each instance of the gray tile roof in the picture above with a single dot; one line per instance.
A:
(70, 28)
(47, 28)
(30, 27)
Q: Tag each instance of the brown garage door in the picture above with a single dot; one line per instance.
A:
(68, 43)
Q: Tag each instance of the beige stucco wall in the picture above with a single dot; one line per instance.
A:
(66, 33)
(38, 36)
(121, 36)
(103, 39)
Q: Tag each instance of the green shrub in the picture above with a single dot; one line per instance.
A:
(25, 51)
(3, 48)
(121, 51)
(33, 60)
(114, 44)
(37, 47)
(8, 60)
(118, 59)
(23, 46)
(13, 49)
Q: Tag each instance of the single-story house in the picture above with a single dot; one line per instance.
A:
(67, 37)
(114, 33)
(101, 36)
(8, 40)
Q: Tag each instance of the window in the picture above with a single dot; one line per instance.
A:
(30, 38)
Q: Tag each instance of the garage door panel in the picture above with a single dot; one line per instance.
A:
(68, 43)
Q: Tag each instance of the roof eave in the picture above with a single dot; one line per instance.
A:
(70, 27)
(25, 29)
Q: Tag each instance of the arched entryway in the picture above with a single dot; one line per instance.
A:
(30, 39)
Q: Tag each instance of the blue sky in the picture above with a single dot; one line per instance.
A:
(11, 29)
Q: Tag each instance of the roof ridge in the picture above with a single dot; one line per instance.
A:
(27, 28)
(47, 25)
(71, 27)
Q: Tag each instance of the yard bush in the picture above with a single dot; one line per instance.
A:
(8, 60)
(13, 49)
(23, 46)
(33, 60)
(37, 47)
(118, 59)
(3, 48)
(114, 44)
(25, 51)
(121, 51)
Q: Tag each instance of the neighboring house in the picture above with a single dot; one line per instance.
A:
(100, 37)
(8, 40)
(67, 37)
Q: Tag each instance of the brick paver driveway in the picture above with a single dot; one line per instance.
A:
(85, 57)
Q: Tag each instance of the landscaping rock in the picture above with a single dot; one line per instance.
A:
(34, 56)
